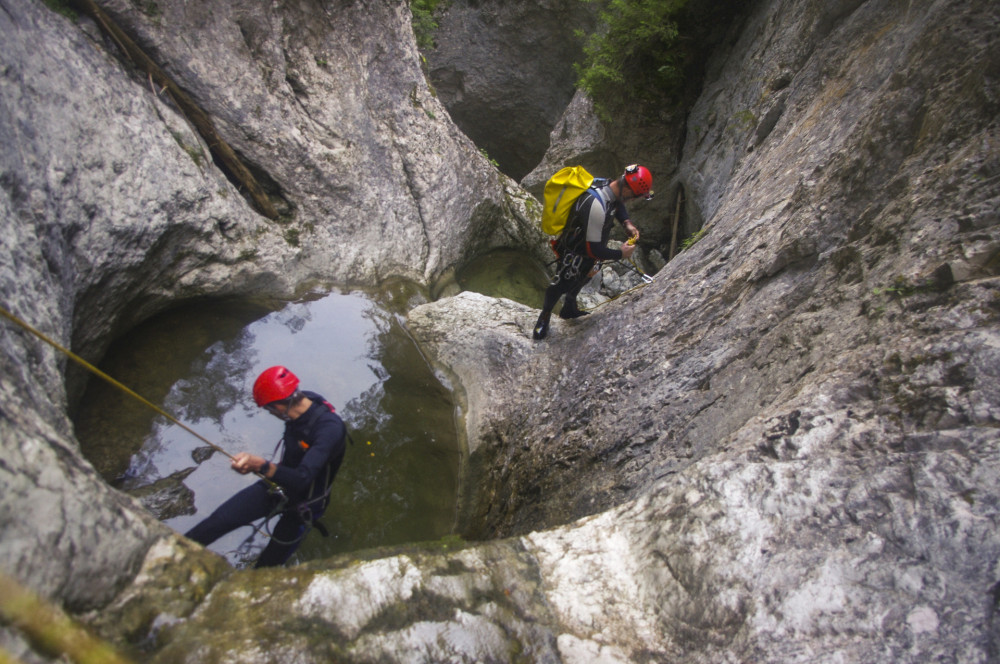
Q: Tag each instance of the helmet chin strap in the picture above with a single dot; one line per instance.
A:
(294, 401)
(622, 184)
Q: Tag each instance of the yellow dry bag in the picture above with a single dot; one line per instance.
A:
(561, 191)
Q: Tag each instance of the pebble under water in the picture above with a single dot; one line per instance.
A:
(399, 480)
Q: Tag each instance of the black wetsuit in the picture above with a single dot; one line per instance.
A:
(313, 451)
(583, 242)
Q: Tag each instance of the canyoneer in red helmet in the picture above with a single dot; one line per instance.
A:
(313, 443)
(584, 239)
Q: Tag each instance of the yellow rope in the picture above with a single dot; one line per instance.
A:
(91, 368)
(612, 299)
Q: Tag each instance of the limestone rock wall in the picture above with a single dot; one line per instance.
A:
(505, 72)
(783, 449)
(112, 209)
(806, 398)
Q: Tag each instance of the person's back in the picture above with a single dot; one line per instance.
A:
(314, 446)
(584, 240)
(297, 488)
(587, 208)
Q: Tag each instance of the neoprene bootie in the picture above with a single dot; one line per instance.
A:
(541, 327)
(571, 311)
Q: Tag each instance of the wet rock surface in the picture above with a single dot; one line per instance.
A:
(785, 448)
(112, 210)
(438, 602)
(806, 398)
(166, 497)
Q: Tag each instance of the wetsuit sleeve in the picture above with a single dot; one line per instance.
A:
(602, 252)
(326, 443)
(621, 213)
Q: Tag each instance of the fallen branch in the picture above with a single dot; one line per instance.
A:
(200, 120)
(677, 218)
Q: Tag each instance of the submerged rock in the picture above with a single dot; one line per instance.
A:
(167, 497)
(202, 454)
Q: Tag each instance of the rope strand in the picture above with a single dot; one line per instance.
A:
(646, 280)
(97, 372)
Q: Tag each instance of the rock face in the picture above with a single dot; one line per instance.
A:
(505, 72)
(783, 449)
(112, 210)
(795, 426)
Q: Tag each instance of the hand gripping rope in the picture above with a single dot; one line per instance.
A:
(646, 279)
(273, 487)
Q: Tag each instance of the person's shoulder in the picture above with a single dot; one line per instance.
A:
(327, 423)
(321, 406)
(602, 196)
(327, 412)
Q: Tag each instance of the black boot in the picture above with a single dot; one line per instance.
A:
(570, 310)
(541, 326)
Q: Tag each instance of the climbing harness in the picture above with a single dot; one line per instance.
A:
(304, 509)
(273, 487)
(570, 265)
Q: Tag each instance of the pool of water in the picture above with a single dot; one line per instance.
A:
(399, 480)
(506, 273)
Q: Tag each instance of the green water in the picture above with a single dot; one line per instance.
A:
(399, 481)
(508, 274)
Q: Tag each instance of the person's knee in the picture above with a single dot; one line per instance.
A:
(280, 548)
(204, 533)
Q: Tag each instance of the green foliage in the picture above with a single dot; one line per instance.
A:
(690, 241)
(647, 49)
(195, 152)
(902, 287)
(149, 8)
(486, 156)
(636, 57)
(62, 7)
(746, 118)
(424, 23)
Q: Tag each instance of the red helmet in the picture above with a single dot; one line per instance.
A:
(274, 384)
(639, 180)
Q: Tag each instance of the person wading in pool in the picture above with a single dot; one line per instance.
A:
(313, 451)
(584, 240)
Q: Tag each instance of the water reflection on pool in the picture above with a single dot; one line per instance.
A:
(399, 480)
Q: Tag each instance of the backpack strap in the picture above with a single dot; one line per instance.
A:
(595, 188)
